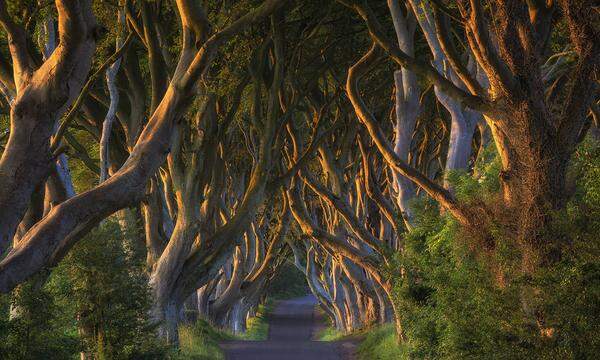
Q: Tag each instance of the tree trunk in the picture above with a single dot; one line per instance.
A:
(463, 127)
(534, 185)
(43, 94)
(168, 316)
(406, 105)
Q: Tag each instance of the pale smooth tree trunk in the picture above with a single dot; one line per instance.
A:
(316, 287)
(463, 120)
(113, 92)
(351, 305)
(62, 164)
(407, 107)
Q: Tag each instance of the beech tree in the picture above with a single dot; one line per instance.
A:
(47, 242)
(535, 135)
(231, 137)
(39, 93)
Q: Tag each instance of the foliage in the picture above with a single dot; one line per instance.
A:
(96, 301)
(287, 283)
(105, 281)
(461, 302)
(36, 329)
(380, 344)
(258, 325)
(200, 341)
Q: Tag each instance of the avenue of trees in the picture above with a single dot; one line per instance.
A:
(430, 164)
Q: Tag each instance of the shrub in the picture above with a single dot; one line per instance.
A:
(105, 282)
(37, 329)
(459, 301)
(380, 344)
(200, 341)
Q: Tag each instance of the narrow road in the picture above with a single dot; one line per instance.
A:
(291, 328)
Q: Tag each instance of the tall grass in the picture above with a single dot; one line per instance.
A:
(258, 326)
(380, 344)
(200, 342)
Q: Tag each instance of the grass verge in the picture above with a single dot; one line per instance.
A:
(258, 326)
(379, 343)
(200, 341)
(376, 343)
(329, 334)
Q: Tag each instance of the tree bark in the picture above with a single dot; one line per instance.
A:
(42, 96)
(50, 240)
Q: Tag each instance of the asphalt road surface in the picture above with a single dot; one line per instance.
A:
(291, 328)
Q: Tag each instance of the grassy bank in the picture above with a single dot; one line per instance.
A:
(258, 327)
(330, 334)
(200, 341)
(377, 343)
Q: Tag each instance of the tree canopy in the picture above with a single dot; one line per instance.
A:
(427, 163)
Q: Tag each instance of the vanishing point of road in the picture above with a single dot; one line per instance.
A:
(292, 326)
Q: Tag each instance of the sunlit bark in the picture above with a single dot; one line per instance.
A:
(66, 223)
(42, 94)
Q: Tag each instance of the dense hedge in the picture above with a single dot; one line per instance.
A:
(460, 301)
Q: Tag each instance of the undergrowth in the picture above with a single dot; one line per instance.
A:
(459, 300)
(258, 326)
(380, 344)
(330, 334)
(200, 341)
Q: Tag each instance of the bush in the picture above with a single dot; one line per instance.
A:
(459, 301)
(37, 329)
(96, 301)
(380, 344)
(104, 281)
(200, 341)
